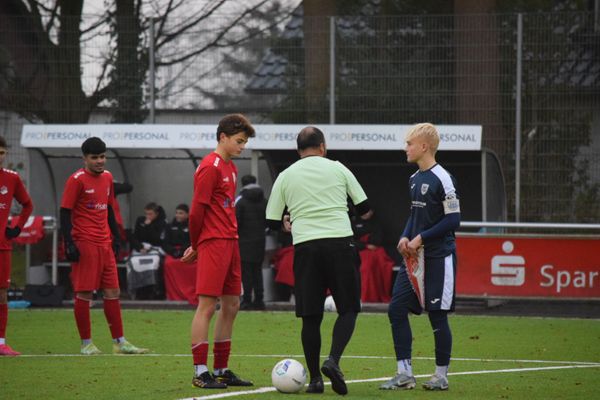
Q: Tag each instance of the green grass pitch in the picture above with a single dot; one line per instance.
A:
(534, 358)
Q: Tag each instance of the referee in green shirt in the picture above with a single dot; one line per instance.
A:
(315, 190)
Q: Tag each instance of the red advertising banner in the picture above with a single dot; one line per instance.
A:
(528, 267)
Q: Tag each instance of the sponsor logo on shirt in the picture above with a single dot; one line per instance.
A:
(3, 190)
(90, 191)
(418, 204)
(96, 206)
(2, 206)
(226, 179)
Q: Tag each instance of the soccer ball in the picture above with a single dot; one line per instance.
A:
(288, 376)
(329, 304)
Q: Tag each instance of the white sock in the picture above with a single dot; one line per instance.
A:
(119, 340)
(2, 341)
(85, 342)
(200, 369)
(441, 370)
(219, 371)
(405, 366)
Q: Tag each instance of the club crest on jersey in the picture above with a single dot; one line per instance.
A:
(424, 188)
(3, 190)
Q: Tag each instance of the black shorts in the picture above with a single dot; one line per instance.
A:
(326, 264)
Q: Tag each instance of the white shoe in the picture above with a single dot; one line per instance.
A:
(436, 382)
(400, 382)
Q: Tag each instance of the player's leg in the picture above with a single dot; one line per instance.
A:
(5, 349)
(85, 278)
(112, 305)
(439, 299)
(199, 338)
(257, 286)
(311, 343)
(210, 276)
(309, 291)
(230, 305)
(404, 300)
(341, 264)
(247, 283)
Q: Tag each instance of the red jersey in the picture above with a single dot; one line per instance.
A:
(214, 190)
(88, 196)
(11, 187)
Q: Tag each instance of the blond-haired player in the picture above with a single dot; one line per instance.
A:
(434, 215)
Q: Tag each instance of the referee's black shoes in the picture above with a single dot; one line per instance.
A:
(331, 370)
(316, 386)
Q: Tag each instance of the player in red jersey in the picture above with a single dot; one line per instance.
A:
(87, 220)
(11, 187)
(214, 246)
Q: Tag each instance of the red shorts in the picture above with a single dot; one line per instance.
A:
(219, 268)
(96, 269)
(5, 268)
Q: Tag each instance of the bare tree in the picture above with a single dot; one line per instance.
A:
(57, 65)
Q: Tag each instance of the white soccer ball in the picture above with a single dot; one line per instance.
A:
(288, 376)
(329, 304)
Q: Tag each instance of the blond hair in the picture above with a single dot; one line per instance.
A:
(427, 132)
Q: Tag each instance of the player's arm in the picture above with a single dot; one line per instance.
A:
(23, 198)
(69, 199)
(71, 251)
(205, 182)
(408, 228)
(114, 229)
(356, 193)
(448, 223)
(275, 211)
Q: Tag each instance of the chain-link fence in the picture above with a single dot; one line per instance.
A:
(456, 69)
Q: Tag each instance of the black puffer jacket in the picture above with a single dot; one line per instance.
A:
(152, 233)
(250, 213)
(177, 238)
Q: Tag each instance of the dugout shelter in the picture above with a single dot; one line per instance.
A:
(159, 161)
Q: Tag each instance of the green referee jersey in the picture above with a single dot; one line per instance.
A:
(315, 191)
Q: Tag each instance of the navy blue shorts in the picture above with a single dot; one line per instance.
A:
(440, 277)
(324, 264)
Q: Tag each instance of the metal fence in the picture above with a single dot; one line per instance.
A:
(531, 80)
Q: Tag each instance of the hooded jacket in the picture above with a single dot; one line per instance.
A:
(250, 212)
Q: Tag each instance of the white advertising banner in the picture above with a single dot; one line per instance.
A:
(268, 137)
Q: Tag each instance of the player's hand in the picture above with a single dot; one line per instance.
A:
(12, 233)
(413, 246)
(189, 255)
(287, 224)
(402, 246)
(71, 252)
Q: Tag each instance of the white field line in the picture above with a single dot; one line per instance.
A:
(276, 356)
(497, 371)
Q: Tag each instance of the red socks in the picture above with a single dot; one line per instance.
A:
(82, 318)
(221, 352)
(112, 312)
(3, 319)
(200, 353)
